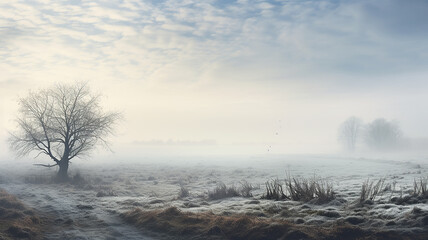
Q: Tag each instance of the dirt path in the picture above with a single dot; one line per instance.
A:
(78, 215)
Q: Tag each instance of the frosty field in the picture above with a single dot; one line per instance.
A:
(92, 206)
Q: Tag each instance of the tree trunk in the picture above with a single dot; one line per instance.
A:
(63, 169)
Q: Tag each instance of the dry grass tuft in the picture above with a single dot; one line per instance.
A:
(324, 191)
(420, 187)
(17, 221)
(222, 191)
(184, 192)
(371, 189)
(10, 202)
(274, 190)
(305, 190)
(300, 189)
(246, 189)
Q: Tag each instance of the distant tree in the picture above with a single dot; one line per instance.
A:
(349, 132)
(382, 134)
(62, 122)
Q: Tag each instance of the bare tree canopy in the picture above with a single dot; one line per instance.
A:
(62, 122)
(382, 134)
(349, 132)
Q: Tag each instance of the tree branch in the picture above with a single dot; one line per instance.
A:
(45, 165)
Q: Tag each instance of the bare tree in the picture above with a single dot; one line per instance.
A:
(382, 134)
(349, 132)
(62, 122)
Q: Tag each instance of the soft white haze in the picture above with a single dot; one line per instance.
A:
(223, 77)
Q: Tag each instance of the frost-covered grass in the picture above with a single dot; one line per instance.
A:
(420, 187)
(371, 189)
(274, 190)
(300, 189)
(156, 186)
(246, 189)
(222, 191)
(206, 225)
(307, 189)
(17, 221)
(184, 192)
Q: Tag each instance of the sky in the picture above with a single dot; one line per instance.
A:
(223, 77)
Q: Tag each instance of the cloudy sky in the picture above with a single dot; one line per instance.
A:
(224, 76)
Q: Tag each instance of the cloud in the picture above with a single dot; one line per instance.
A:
(216, 42)
(300, 39)
(253, 56)
(403, 19)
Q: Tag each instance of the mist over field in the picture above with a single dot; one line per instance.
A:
(115, 114)
(243, 75)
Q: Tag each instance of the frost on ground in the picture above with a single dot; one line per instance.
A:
(100, 202)
(19, 221)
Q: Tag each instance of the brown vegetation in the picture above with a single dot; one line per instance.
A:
(418, 195)
(305, 190)
(420, 187)
(17, 221)
(205, 225)
(371, 189)
(274, 190)
(222, 191)
(246, 189)
(300, 189)
(187, 225)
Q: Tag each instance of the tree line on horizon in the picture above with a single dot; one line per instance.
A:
(379, 135)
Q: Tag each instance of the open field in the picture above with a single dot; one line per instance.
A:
(204, 198)
(19, 221)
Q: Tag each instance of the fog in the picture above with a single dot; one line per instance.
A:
(246, 119)
(242, 118)
(220, 79)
